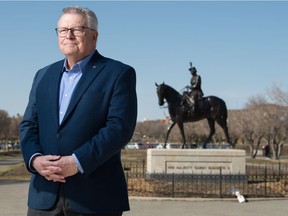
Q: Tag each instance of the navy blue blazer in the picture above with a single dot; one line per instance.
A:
(99, 121)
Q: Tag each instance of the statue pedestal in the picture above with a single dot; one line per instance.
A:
(196, 161)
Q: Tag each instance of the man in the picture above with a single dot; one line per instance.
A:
(81, 111)
(196, 93)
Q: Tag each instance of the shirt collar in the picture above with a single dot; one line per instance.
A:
(80, 66)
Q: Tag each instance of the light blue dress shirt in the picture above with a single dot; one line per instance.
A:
(69, 81)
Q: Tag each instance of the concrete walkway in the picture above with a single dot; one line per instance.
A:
(13, 198)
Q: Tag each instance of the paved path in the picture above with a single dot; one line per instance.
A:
(13, 198)
(195, 207)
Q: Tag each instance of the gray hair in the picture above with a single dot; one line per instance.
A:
(88, 14)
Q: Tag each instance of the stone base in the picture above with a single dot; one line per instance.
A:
(196, 161)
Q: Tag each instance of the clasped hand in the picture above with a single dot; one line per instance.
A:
(55, 168)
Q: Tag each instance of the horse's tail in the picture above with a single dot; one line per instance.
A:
(222, 118)
(224, 110)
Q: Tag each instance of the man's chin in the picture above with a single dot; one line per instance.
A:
(70, 52)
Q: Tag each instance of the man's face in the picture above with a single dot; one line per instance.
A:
(76, 47)
(193, 72)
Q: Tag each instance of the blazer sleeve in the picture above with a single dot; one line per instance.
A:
(29, 134)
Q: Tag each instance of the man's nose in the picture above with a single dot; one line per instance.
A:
(70, 34)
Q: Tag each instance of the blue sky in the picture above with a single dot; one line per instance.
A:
(240, 49)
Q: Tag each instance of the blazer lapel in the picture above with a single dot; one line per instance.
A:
(92, 70)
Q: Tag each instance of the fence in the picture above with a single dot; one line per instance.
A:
(260, 181)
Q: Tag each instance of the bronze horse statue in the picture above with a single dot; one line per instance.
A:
(211, 108)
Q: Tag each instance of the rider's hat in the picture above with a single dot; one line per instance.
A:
(192, 69)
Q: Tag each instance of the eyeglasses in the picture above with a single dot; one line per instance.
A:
(76, 31)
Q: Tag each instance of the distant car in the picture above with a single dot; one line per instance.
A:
(217, 146)
(209, 146)
(173, 146)
(192, 146)
(135, 145)
(154, 145)
(160, 146)
(168, 146)
(151, 145)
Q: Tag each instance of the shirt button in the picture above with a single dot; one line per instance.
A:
(58, 136)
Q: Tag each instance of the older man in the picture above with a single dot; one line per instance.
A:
(82, 110)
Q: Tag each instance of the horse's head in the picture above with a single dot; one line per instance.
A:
(160, 93)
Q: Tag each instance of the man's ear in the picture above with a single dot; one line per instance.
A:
(95, 36)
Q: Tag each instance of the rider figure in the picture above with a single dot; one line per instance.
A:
(196, 92)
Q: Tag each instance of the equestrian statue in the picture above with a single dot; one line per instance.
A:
(191, 106)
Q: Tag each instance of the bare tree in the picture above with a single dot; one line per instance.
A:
(14, 128)
(4, 125)
(4, 128)
(278, 120)
(255, 125)
(235, 121)
(150, 131)
(271, 119)
(278, 96)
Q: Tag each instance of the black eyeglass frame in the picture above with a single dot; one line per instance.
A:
(72, 30)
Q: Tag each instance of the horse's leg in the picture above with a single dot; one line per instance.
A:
(211, 123)
(168, 132)
(181, 128)
(223, 124)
